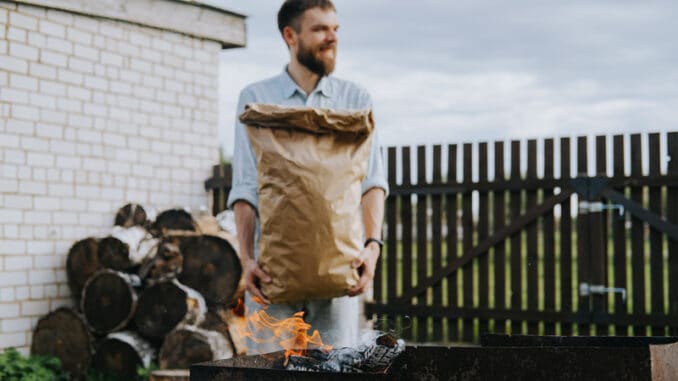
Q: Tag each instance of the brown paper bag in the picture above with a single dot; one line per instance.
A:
(310, 166)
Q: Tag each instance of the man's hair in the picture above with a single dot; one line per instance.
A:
(291, 11)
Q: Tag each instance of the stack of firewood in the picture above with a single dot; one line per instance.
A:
(160, 291)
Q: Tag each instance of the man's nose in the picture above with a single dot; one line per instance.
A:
(331, 36)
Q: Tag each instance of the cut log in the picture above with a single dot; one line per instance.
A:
(114, 254)
(170, 375)
(230, 320)
(109, 300)
(121, 353)
(140, 243)
(211, 266)
(82, 262)
(131, 215)
(189, 345)
(173, 219)
(64, 334)
(167, 305)
(165, 265)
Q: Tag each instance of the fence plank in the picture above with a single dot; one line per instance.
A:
(516, 241)
(499, 220)
(483, 232)
(532, 257)
(436, 240)
(467, 242)
(549, 242)
(637, 238)
(619, 234)
(656, 268)
(583, 236)
(406, 223)
(598, 239)
(672, 216)
(565, 247)
(422, 242)
(451, 241)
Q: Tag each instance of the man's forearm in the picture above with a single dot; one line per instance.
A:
(372, 204)
(245, 219)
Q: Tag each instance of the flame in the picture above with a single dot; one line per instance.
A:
(290, 334)
(239, 308)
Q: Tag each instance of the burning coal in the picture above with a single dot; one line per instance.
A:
(375, 354)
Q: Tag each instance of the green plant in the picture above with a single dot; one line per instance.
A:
(16, 367)
(145, 373)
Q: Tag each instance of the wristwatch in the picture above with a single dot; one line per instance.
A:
(378, 241)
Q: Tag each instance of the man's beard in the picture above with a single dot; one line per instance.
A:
(308, 57)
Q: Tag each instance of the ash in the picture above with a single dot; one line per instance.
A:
(374, 354)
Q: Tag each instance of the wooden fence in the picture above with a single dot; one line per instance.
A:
(550, 247)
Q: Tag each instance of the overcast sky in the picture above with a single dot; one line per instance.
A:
(467, 71)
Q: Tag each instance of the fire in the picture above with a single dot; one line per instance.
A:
(290, 334)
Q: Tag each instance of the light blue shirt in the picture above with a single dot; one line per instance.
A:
(281, 90)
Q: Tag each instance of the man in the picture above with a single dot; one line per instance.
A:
(309, 28)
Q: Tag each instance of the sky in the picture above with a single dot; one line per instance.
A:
(467, 71)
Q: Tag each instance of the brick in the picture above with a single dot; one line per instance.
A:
(60, 17)
(46, 203)
(89, 136)
(24, 21)
(60, 45)
(24, 172)
(37, 292)
(96, 83)
(29, 143)
(42, 71)
(87, 23)
(32, 10)
(12, 278)
(52, 29)
(39, 174)
(37, 308)
(61, 148)
(80, 121)
(121, 87)
(50, 116)
(60, 190)
(9, 185)
(25, 112)
(32, 187)
(40, 159)
(11, 216)
(86, 52)
(130, 76)
(6, 294)
(80, 65)
(140, 39)
(52, 88)
(43, 101)
(16, 65)
(40, 247)
(15, 325)
(70, 77)
(8, 310)
(20, 50)
(79, 93)
(111, 59)
(70, 105)
(141, 66)
(52, 291)
(12, 339)
(61, 302)
(22, 293)
(93, 164)
(95, 110)
(18, 202)
(79, 36)
(36, 39)
(160, 44)
(87, 192)
(16, 34)
(18, 263)
(107, 28)
(19, 81)
(73, 162)
(53, 58)
(152, 55)
(13, 95)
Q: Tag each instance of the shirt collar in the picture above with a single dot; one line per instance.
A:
(289, 87)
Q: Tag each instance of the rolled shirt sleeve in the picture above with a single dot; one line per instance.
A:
(376, 174)
(244, 181)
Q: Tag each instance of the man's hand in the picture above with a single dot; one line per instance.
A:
(366, 264)
(254, 275)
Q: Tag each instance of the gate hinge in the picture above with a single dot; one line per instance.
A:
(597, 207)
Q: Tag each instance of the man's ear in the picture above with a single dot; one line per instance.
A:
(290, 36)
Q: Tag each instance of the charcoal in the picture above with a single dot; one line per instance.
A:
(375, 354)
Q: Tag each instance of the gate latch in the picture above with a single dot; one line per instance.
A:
(597, 207)
(586, 289)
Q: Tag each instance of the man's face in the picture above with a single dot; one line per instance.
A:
(317, 40)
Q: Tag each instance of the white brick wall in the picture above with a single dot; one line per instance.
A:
(94, 113)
